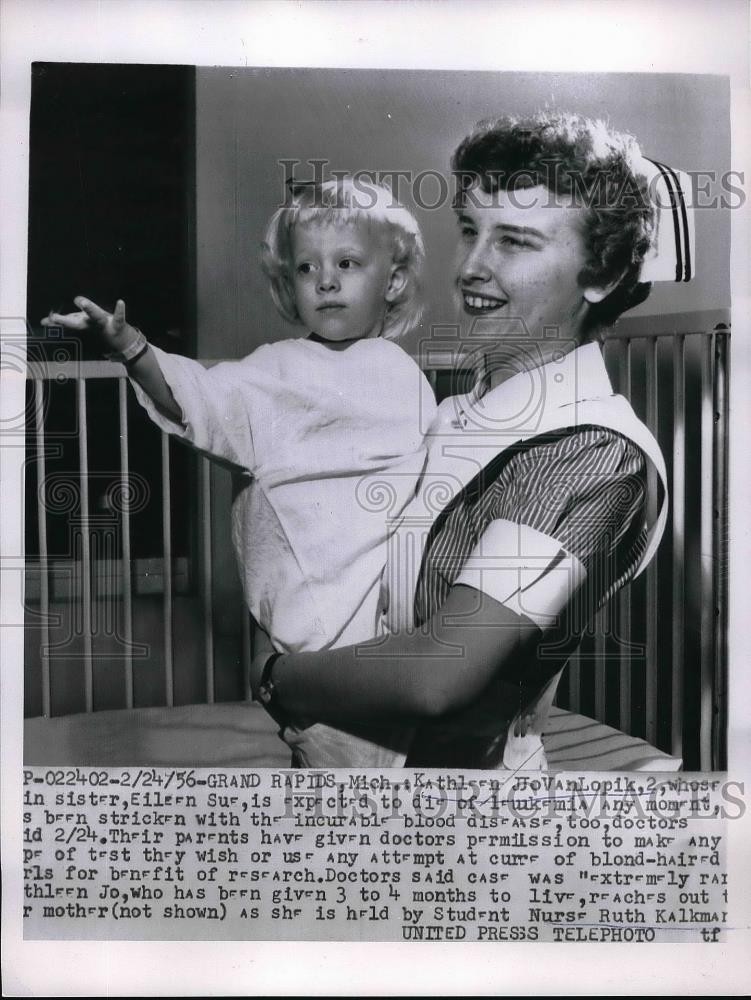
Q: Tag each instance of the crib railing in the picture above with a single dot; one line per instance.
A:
(118, 572)
(667, 685)
(684, 400)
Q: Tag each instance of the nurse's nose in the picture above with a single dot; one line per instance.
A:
(474, 264)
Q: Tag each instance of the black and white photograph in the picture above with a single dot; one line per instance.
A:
(374, 431)
(171, 196)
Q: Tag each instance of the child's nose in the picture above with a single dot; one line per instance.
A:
(328, 280)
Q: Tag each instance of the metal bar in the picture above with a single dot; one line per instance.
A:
(247, 651)
(574, 680)
(707, 557)
(625, 368)
(434, 362)
(679, 540)
(700, 321)
(109, 567)
(83, 459)
(651, 572)
(125, 569)
(624, 598)
(600, 667)
(208, 618)
(77, 370)
(721, 405)
(669, 332)
(44, 583)
(169, 677)
(624, 659)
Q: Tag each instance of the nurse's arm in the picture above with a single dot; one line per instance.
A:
(443, 668)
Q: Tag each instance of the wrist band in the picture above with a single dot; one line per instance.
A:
(138, 346)
(266, 687)
(140, 354)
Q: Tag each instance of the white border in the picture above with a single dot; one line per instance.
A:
(689, 36)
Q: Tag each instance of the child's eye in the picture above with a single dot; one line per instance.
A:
(346, 263)
(304, 268)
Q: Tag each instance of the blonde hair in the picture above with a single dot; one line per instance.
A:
(346, 201)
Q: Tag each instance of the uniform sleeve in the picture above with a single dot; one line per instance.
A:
(220, 405)
(560, 510)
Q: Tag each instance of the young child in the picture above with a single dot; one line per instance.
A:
(327, 428)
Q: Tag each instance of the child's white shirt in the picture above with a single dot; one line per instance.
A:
(332, 446)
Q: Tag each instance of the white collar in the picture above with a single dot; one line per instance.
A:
(518, 402)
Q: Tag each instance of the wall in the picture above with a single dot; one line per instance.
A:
(249, 119)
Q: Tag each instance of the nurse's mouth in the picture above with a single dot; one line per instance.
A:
(479, 304)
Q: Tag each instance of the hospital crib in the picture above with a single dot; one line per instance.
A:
(144, 661)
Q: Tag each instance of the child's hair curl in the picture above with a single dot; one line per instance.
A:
(348, 200)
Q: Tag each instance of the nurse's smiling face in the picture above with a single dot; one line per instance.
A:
(521, 255)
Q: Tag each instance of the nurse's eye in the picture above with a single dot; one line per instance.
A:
(512, 241)
(467, 233)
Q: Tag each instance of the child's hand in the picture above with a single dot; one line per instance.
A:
(113, 327)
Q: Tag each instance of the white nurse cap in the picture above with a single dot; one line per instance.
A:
(673, 253)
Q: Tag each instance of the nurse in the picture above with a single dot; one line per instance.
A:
(533, 510)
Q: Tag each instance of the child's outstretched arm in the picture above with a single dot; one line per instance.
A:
(213, 408)
(121, 338)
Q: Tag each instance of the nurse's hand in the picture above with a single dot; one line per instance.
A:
(262, 650)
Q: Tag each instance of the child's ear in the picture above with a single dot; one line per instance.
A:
(397, 283)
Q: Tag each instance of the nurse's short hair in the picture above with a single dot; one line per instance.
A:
(584, 162)
(345, 201)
